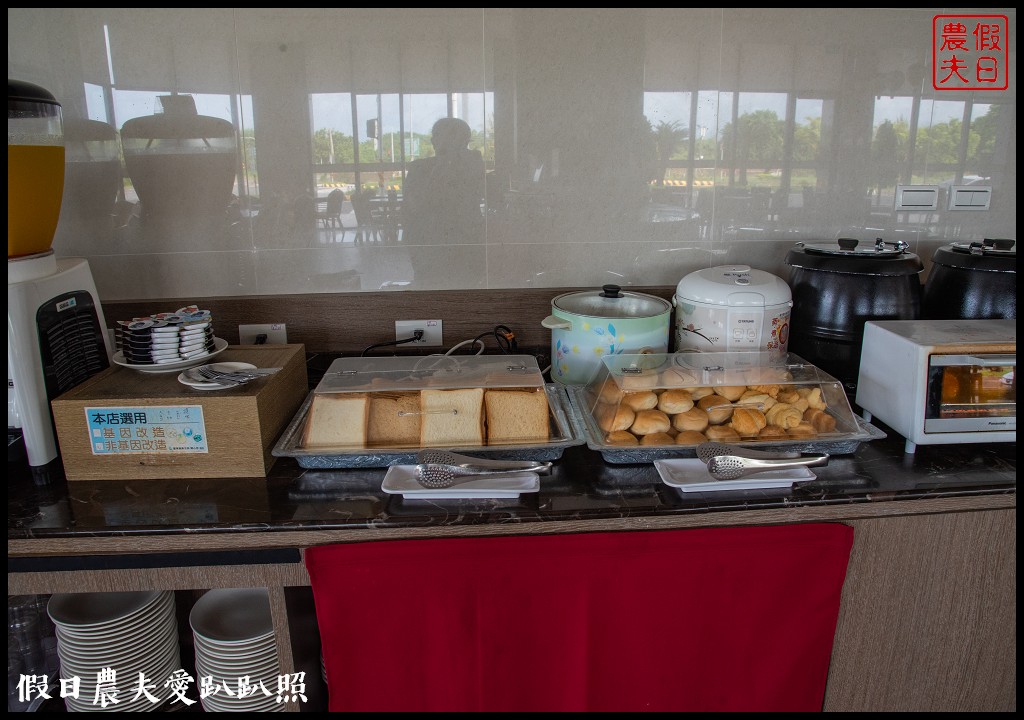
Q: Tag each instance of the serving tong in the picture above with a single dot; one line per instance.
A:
(729, 462)
(442, 468)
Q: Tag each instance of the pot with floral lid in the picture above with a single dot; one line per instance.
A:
(586, 326)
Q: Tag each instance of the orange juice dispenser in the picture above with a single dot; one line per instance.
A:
(56, 334)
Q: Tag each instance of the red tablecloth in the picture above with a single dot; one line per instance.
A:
(729, 619)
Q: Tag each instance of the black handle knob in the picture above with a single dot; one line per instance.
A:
(611, 291)
(847, 243)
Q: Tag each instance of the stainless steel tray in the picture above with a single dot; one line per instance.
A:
(586, 427)
(563, 435)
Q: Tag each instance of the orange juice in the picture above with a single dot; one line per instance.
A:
(35, 183)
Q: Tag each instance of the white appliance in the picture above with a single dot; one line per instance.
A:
(56, 338)
(941, 381)
(732, 308)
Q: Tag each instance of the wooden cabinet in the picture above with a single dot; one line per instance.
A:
(927, 620)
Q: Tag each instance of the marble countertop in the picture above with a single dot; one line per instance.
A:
(580, 487)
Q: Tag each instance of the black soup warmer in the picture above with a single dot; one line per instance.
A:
(837, 287)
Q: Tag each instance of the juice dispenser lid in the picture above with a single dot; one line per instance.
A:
(21, 91)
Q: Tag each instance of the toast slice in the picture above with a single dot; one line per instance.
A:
(394, 420)
(516, 416)
(336, 420)
(452, 417)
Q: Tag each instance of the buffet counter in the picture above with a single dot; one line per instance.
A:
(927, 620)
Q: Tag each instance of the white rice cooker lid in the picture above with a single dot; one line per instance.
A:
(734, 286)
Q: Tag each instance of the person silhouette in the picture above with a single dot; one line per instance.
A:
(443, 194)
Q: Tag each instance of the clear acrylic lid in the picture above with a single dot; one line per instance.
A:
(377, 374)
(751, 379)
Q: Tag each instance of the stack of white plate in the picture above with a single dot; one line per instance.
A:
(130, 632)
(234, 638)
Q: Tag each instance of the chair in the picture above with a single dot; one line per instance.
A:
(366, 227)
(328, 210)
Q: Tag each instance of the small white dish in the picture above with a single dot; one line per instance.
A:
(191, 377)
(232, 615)
(219, 346)
(691, 475)
(401, 480)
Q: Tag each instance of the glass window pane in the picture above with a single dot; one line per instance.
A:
(668, 122)
(807, 164)
(937, 148)
(759, 133)
(422, 110)
(981, 142)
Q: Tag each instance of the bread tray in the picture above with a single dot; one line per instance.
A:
(563, 435)
(586, 428)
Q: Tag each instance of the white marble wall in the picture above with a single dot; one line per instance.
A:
(571, 200)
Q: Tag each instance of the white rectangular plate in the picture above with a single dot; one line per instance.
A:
(401, 480)
(691, 475)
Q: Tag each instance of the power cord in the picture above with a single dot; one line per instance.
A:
(503, 336)
(416, 335)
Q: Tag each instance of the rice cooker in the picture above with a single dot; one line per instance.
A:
(732, 308)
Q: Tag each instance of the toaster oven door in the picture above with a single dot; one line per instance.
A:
(971, 393)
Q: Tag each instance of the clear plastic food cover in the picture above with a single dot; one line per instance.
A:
(376, 412)
(665, 404)
(375, 374)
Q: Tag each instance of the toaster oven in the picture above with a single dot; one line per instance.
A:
(941, 381)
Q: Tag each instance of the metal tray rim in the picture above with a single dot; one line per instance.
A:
(630, 455)
(287, 444)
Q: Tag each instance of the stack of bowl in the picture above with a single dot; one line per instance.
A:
(236, 650)
(132, 633)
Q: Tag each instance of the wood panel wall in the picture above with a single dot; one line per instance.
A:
(928, 618)
(349, 322)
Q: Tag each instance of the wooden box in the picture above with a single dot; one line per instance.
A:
(123, 424)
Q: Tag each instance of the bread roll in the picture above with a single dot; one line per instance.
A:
(721, 433)
(730, 392)
(621, 437)
(718, 408)
(803, 430)
(660, 438)
(752, 398)
(787, 394)
(784, 415)
(747, 421)
(813, 397)
(772, 432)
(614, 417)
(821, 420)
(690, 437)
(698, 392)
(648, 422)
(772, 390)
(671, 402)
(692, 419)
(610, 393)
(640, 400)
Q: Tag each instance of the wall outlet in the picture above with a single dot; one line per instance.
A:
(404, 329)
(250, 334)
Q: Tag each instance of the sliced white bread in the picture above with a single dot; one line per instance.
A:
(394, 420)
(336, 420)
(451, 417)
(516, 416)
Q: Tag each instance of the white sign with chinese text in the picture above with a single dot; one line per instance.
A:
(134, 430)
